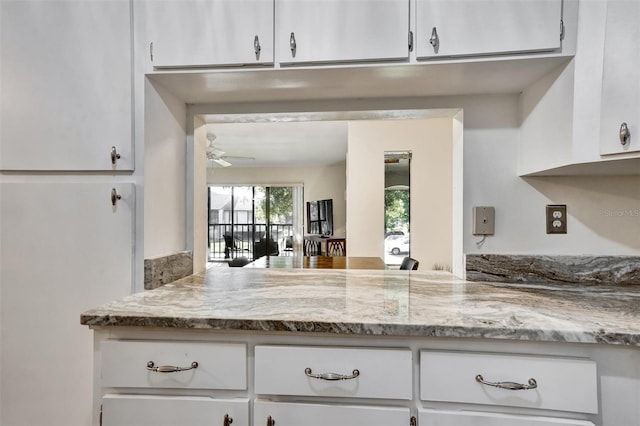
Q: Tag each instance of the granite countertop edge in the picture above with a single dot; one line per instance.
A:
(441, 306)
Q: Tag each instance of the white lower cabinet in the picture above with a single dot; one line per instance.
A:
(552, 383)
(176, 378)
(304, 414)
(185, 365)
(495, 380)
(161, 410)
(293, 381)
(476, 418)
(336, 372)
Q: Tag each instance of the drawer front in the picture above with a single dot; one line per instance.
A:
(154, 410)
(293, 414)
(568, 384)
(471, 418)
(381, 373)
(219, 365)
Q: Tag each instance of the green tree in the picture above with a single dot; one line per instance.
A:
(396, 209)
(280, 204)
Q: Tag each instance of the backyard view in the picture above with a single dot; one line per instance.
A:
(249, 221)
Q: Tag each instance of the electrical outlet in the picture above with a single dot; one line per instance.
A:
(557, 219)
(484, 219)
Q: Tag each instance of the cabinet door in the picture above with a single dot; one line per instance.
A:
(205, 33)
(66, 85)
(482, 27)
(342, 30)
(154, 410)
(294, 414)
(620, 82)
(471, 418)
(64, 249)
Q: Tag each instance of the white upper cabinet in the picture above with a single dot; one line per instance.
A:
(620, 80)
(66, 83)
(485, 27)
(321, 31)
(210, 33)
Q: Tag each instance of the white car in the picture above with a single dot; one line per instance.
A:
(397, 245)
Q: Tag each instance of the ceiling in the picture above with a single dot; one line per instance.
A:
(281, 144)
(295, 139)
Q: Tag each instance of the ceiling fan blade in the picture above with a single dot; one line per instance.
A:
(215, 151)
(221, 162)
(239, 157)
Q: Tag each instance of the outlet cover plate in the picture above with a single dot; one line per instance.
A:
(484, 219)
(556, 219)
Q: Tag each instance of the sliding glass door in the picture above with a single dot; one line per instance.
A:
(254, 221)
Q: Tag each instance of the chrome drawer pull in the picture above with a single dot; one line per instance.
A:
(331, 376)
(532, 384)
(169, 368)
(227, 420)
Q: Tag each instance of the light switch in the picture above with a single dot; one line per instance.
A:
(484, 219)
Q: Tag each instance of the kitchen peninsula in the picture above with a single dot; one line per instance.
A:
(406, 346)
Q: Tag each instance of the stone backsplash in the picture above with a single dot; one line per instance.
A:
(162, 270)
(615, 270)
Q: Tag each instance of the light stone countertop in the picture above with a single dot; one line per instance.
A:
(384, 303)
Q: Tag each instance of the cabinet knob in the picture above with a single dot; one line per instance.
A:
(115, 197)
(292, 44)
(227, 420)
(625, 134)
(270, 421)
(434, 40)
(114, 155)
(413, 421)
(256, 47)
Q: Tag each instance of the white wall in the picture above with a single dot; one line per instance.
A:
(430, 141)
(198, 177)
(165, 172)
(596, 206)
(320, 183)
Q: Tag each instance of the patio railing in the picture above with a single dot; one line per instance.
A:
(245, 237)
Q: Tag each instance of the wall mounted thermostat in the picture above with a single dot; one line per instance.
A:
(484, 219)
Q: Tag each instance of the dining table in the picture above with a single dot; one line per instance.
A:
(318, 262)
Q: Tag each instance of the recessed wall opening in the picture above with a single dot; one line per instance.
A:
(354, 180)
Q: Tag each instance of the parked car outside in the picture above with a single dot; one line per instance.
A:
(396, 244)
(390, 233)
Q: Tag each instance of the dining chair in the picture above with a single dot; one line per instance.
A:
(409, 264)
(336, 247)
(312, 247)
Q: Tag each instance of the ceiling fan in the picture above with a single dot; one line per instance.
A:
(217, 155)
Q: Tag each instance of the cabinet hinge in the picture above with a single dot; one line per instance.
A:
(413, 421)
(151, 51)
(100, 417)
(410, 41)
(561, 30)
